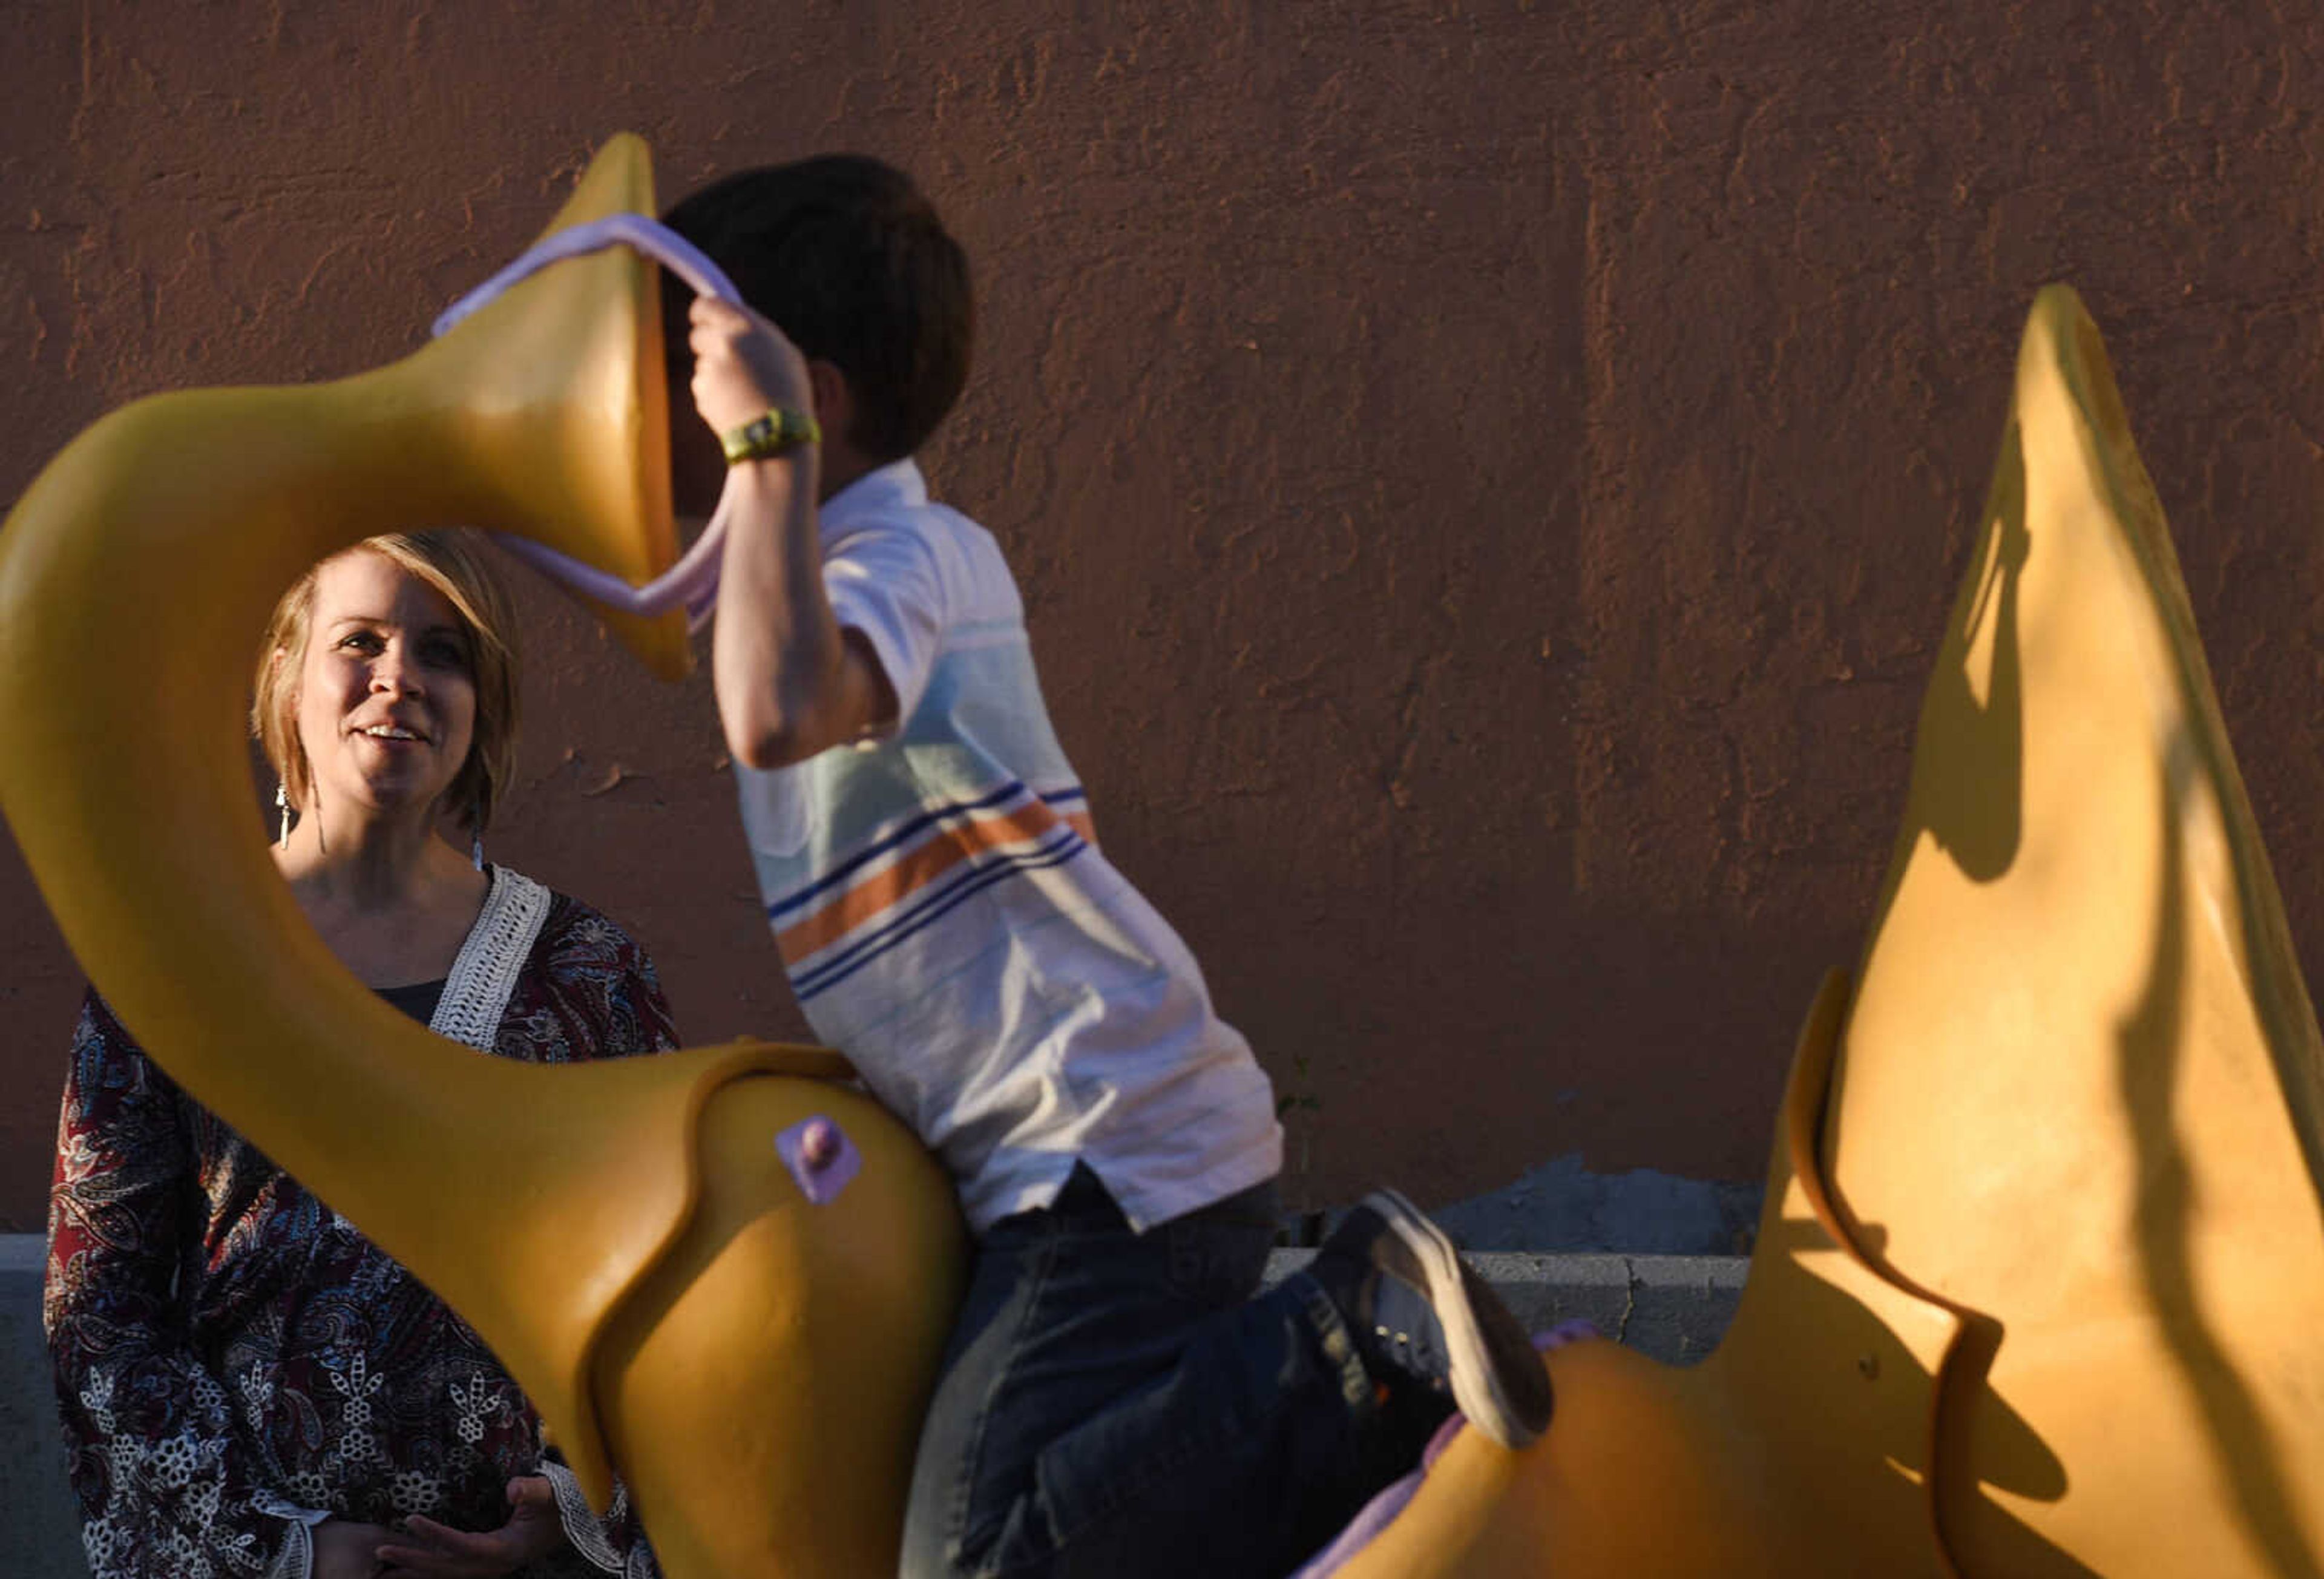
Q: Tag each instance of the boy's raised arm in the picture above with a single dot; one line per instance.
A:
(791, 682)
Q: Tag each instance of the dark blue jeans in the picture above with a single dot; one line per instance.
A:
(1116, 1404)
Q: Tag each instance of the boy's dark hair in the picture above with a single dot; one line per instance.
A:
(851, 262)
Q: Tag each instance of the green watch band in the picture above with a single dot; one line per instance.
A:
(780, 429)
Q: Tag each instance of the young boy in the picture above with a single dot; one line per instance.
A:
(1114, 1401)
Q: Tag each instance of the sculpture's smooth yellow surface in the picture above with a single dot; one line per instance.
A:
(2081, 1085)
(2041, 1281)
(622, 1232)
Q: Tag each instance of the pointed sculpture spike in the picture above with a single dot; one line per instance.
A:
(2037, 1288)
(2080, 1088)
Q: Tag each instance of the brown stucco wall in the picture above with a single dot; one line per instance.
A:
(1487, 478)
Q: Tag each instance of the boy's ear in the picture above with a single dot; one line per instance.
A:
(834, 402)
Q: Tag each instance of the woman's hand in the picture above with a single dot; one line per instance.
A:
(346, 1550)
(423, 1546)
(744, 366)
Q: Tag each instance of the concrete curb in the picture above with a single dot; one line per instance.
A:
(43, 1537)
(1673, 1307)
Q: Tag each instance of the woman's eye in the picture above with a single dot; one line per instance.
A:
(360, 642)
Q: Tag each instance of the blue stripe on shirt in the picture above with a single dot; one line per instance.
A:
(1054, 849)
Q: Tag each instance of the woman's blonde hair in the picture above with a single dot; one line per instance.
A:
(454, 563)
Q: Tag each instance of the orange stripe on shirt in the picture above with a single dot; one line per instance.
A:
(952, 844)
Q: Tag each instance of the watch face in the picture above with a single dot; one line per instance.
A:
(748, 440)
(771, 435)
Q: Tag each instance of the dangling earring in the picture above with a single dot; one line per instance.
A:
(476, 837)
(282, 804)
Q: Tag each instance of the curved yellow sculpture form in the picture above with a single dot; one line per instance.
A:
(2040, 1277)
(624, 1233)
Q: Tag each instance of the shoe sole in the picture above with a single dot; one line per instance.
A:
(1511, 1415)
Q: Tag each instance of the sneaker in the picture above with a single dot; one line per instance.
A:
(1421, 1318)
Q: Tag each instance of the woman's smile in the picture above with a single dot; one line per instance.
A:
(392, 733)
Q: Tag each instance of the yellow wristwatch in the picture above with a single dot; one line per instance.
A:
(780, 429)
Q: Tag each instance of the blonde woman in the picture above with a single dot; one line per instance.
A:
(249, 1387)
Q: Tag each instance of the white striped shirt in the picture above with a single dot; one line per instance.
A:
(950, 923)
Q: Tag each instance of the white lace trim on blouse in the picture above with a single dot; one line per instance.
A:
(586, 1536)
(295, 1558)
(484, 976)
(476, 992)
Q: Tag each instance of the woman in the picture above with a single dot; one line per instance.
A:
(249, 1385)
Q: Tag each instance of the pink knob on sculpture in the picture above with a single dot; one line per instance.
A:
(819, 1147)
(820, 1157)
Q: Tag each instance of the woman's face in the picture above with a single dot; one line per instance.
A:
(386, 706)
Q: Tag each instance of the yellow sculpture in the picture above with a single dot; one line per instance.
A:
(625, 1235)
(2041, 1269)
(2041, 1278)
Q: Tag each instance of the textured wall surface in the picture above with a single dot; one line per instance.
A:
(1487, 478)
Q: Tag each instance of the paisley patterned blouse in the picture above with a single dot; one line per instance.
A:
(236, 1363)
